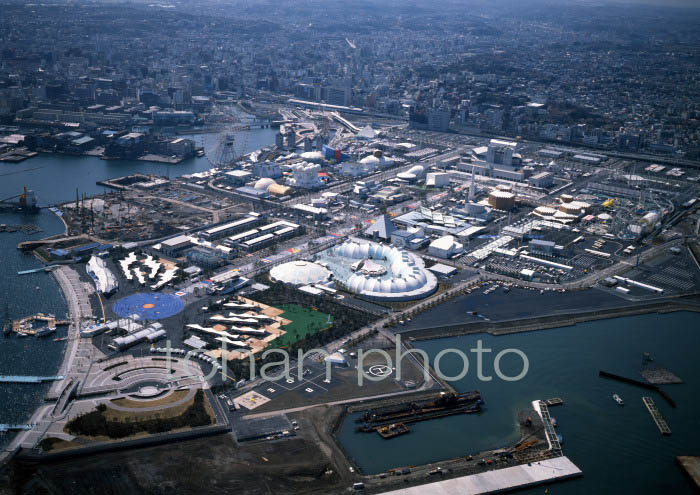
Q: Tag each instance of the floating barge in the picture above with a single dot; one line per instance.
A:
(556, 401)
(445, 405)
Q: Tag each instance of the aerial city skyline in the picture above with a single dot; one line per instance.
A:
(389, 248)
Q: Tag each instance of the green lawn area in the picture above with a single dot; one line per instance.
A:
(305, 322)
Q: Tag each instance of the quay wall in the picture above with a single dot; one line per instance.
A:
(36, 455)
(544, 322)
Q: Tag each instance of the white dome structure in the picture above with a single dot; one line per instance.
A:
(300, 273)
(264, 184)
(375, 161)
(312, 156)
(414, 173)
(405, 278)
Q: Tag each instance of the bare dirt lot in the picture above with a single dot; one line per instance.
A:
(302, 464)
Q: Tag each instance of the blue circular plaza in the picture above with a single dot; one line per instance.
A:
(149, 306)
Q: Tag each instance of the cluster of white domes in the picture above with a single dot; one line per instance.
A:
(408, 279)
(377, 161)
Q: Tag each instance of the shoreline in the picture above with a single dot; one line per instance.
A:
(74, 315)
(570, 318)
(69, 352)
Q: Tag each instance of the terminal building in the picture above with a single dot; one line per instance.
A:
(229, 228)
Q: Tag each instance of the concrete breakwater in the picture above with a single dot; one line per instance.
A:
(545, 322)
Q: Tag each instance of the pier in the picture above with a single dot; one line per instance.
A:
(499, 480)
(29, 379)
(37, 270)
(639, 384)
(552, 437)
(656, 415)
(10, 427)
(25, 325)
(691, 468)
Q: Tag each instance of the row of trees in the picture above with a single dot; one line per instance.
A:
(95, 423)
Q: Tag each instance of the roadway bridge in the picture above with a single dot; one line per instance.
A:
(29, 379)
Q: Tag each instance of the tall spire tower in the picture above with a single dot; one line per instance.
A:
(472, 187)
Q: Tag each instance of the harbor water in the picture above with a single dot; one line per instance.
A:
(55, 178)
(619, 449)
(23, 296)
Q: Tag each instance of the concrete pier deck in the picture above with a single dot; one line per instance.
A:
(691, 467)
(499, 480)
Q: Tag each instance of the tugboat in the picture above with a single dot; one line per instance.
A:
(618, 399)
(393, 430)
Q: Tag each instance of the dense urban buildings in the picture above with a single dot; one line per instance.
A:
(311, 247)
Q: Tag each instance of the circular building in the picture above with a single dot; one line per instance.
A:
(403, 277)
(502, 200)
(300, 273)
(574, 207)
(504, 187)
(545, 211)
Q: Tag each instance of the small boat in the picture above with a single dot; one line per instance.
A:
(560, 437)
(554, 422)
(60, 339)
(393, 430)
(618, 399)
(45, 331)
